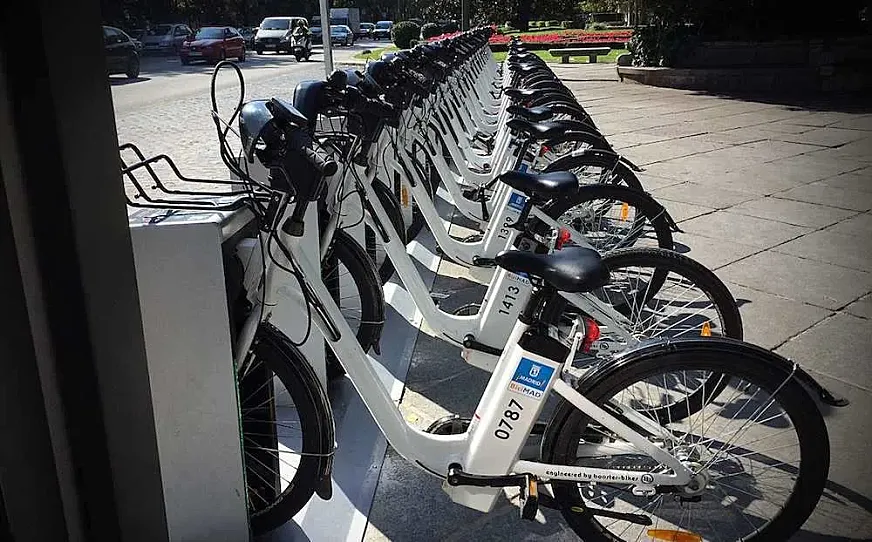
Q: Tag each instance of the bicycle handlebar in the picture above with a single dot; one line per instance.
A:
(325, 165)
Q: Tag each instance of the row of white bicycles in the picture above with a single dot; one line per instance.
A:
(618, 358)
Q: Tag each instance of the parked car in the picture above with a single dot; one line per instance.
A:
(213, 44)
(121, 53)
(382, 30)
(366, 30)
(165, 38)
(316, 34)
(274, 34)
(341, 35)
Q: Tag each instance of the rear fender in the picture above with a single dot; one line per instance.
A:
(710, 344)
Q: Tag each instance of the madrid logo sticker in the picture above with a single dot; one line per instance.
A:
(517, 201)
(531, 378)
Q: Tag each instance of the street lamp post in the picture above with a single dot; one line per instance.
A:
(325, 38)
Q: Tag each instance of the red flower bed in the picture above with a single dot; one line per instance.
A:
(561, 38)
(566, 37)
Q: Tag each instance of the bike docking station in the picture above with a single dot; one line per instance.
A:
(193, 267)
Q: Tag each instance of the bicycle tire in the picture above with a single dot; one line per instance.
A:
(620, 173)
(389, 201)
(667, 261)
(283, 363)
(650, 210)
(350, 254)
(560, 446)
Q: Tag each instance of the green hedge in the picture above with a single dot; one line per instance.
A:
(404, 32)
(430, 30)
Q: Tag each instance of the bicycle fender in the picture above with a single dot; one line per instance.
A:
(718, 344)
(610, 159)
(307, 375)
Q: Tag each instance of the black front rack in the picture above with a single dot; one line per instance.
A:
(151, 192)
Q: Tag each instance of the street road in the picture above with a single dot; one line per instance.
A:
(167, 109)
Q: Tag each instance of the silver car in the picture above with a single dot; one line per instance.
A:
(165, 38)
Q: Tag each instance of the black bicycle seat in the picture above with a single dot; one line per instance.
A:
(542, 131)
(535, 114)
(573, 269)
(542, 184)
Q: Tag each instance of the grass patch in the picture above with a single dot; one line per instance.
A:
(607, 59)
(374, 54)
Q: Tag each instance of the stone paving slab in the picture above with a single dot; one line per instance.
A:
(821, 284)
(712, 253)
(701, 194)
(830, 247)
(797, 213)
(856, 200)
(731, 227)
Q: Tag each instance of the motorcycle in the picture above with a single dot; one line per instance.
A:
(301, 45)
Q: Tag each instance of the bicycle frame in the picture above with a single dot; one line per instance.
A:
(507, 292)
(492, 444)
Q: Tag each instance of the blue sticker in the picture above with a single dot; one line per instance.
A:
(531, 378)
(523, 168)
(517, 201)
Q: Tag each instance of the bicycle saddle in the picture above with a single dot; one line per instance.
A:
(573, 269)
(541, 184)
(535, 114)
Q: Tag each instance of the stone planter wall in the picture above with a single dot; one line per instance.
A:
(843, 64)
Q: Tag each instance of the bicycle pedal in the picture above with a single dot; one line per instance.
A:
(529, 498)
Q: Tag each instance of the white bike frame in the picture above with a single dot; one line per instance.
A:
(509, 406)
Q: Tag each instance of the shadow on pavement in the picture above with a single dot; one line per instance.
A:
(117, 81)
(853, 102)
(171, 65)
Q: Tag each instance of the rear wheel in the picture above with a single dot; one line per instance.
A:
(655, 293)
(283, 434)
(612, 217)
(759, 447)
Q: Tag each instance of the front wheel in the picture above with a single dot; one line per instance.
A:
(351, 278)
(759, 449)
(284, 432)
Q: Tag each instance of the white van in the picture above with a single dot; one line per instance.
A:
(274, 34)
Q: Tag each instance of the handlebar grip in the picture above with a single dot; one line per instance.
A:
(325, 166)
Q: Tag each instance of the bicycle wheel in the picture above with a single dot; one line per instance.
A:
(283, 433)
(661, 295)
(597, 169)
(760, 450)
(348, 273)
(374, 247)
(612, 217)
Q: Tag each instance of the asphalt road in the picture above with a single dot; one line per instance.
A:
(167, 109)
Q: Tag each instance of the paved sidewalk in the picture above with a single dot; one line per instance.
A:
(776, 198)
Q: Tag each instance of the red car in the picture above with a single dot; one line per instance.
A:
(213, 44)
